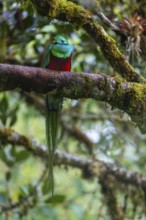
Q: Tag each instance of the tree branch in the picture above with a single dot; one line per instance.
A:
(129, 97)
(92, 167)
(82, 18)
(108, 190)
(79, 135)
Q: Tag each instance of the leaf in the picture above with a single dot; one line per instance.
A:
(3, 109)
(4, 104)
(19, 156)
(46, 188)
(23, 191)
(13, 120)
(13, 115)
(3, 118)
(6, 157)
(56, 199)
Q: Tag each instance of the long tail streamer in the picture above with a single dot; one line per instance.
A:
(53, 109)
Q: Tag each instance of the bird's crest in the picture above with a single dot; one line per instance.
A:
(59, 39)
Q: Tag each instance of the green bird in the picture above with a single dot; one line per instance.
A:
(58, 57)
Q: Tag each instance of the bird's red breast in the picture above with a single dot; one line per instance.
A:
(57, 63)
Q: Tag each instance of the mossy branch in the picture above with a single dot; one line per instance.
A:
(94, 167)
(82, 18)
(129, 97)
(108, 188)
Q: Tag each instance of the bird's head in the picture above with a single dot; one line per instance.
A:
(60, 47)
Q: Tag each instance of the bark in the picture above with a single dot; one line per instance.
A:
(128, 97)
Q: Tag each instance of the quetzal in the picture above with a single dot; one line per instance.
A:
(58, 57)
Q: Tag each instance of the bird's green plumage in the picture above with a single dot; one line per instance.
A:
(61, 51)
(60, 48)
(53, 108)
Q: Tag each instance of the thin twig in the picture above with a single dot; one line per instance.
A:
(105, 19)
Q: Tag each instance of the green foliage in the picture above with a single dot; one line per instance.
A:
(8, 111)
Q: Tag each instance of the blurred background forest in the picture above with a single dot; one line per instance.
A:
(88, 129)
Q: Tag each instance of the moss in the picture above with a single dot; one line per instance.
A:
(73, 13)
(119, 79)
(54, 8)
(139, 98)
(109, 191)
(132, 98)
